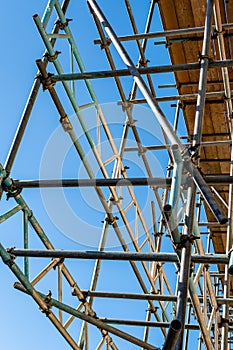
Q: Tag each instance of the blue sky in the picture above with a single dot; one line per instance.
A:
(22, 325)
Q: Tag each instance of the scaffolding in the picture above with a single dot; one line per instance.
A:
(150, 210)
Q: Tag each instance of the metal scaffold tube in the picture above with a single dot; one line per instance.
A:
(163, 257)
(138, 201)
(203, 76)
(167, 33)
(141, 70)
(172, 336)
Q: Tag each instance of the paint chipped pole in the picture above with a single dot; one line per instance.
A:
(207, 194)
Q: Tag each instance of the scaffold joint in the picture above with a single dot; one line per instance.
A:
(223, 321)
(65, 122)
(52, 58)
(202, 57)
(123, 170)
(111, 221)
(131, 123)
(29, 213)
(9, 262)
(106, 44)
(47, 300)
(186, 238)
(63, 25)
(126, 105)
(170, 167)
(116, 201)
(59, 262)
(158, 234)
(143, 62)
(193, 151)
(46, 82)
(12, 190)
(142, 151)
(74, 293)
(217, 32)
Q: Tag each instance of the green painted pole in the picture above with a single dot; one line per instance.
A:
(25, 231)
(66, 85)
(10, 213)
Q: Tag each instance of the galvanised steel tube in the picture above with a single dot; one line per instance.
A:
(207, 194)
(185, 261)
(130, 181)
(165, 33)
(143, 70)
(203, 77)
(133, 296)
(172, 335)
(131, 256)
(174, 327)
(176, 179)
(91, 174)
(7, 259)
(172, 224)
(157, 182)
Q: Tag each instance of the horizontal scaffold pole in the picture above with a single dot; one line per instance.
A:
(131, 256)
(146, 70)
(140, 181)
(138, 296)
(166, 33)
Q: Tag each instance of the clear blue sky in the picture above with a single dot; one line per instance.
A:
(22, 325)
